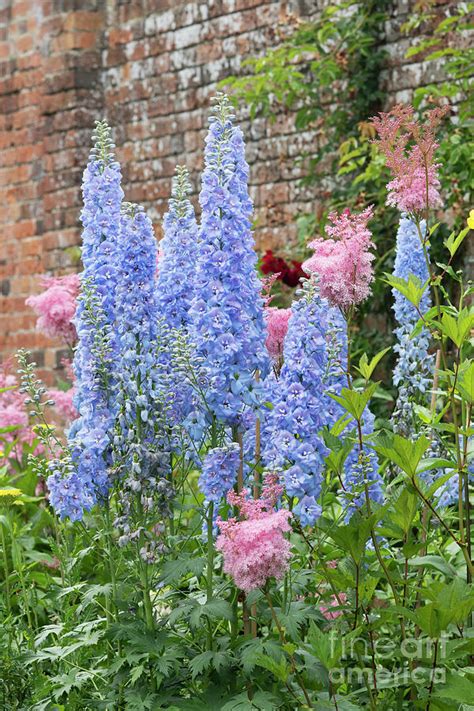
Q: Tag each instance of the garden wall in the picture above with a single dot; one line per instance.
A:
(150, 67)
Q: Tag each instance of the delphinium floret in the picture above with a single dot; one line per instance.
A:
(413, 373)
(255, 548)
(227, 310)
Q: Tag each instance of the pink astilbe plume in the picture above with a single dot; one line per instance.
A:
(409, 147)
(255, 549)
(343, 263)
(56, 307)
(277, 327)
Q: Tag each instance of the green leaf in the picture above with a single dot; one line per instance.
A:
(365, 368)
(413, 289)
(436, 562)
(353, 401)
(465, 381)
(326, 646)
(200, 662)
(279, 669)
(453, 243)
(458, 688)
(402, 452)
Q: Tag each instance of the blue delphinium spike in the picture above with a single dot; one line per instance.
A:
(85, 480)
(227, 310)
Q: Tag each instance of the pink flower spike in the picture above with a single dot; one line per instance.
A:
(255, 549)
(277, 326)
(343, 263)
(56, 307)
(409, 147)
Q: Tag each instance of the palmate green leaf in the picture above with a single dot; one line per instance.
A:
(91, 595)
(353, 536)
(279, 669)
(214, 609)
(412, 289)
(201, 662)
(174, 570)
(458, 327)
(401, 451)
(325, 646)
(353, 401)
(73, 679)
(261, 700)
(297, 615)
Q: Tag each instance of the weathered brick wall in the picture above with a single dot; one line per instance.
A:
(149, 66)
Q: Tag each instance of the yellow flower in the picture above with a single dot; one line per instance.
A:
(8, 496)
(470, 220)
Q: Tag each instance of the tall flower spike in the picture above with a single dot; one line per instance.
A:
(409, 147)
(413, 372)
(178, 249)
(227, 309)
(314, 360)
(343, 263)
(140, 432)
(79, 485)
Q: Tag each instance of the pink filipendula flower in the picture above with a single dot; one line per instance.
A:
(343, 263)
(56, 307)
(68, 368)
(63, 403)
(13, 413)
(409, 147)
(333, 610)
(255, 548)
(277, 327)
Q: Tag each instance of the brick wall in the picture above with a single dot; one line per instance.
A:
(150, 67)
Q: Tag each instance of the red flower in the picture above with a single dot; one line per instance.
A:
(288, 274)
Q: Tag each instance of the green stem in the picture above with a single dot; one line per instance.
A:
(283, 642)
(7, 570)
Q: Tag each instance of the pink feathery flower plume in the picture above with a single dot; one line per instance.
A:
(277, 326)
(56, 307)
(409, 147)
(255, 549)
(343, 263)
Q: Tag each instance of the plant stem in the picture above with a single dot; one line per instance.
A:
(7, 570)
(290, 654)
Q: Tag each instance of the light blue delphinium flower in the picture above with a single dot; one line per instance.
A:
(178, 253)
(292, 437)
(141, 442)
(85, 479)
(413, 373)
(227, 310)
